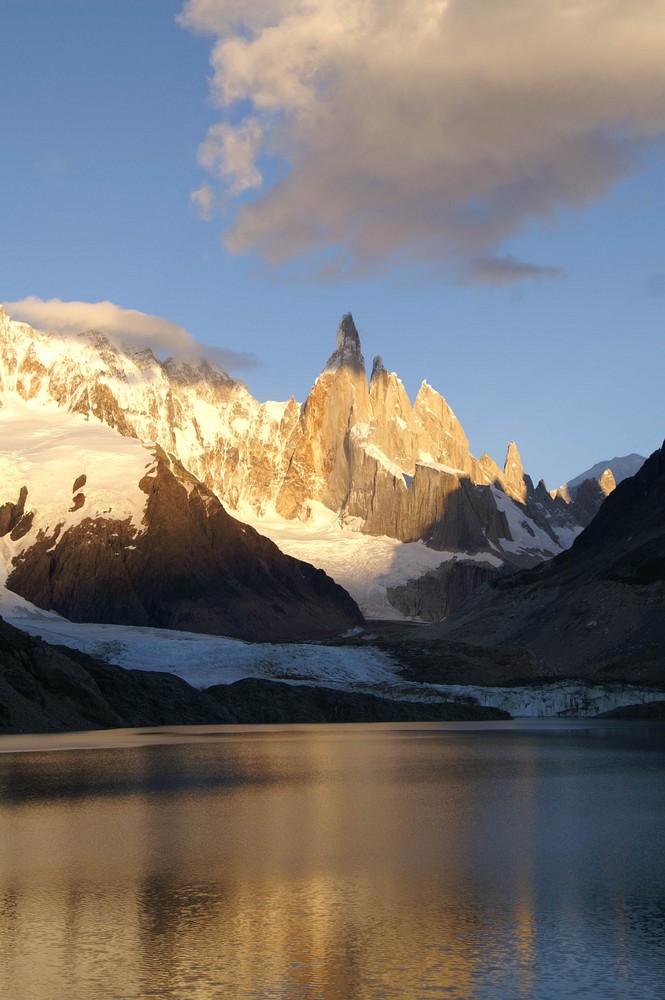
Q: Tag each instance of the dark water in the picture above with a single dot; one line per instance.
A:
(491, 861)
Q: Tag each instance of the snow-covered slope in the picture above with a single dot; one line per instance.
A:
(368, 566)
(49, 452)
(195, 411)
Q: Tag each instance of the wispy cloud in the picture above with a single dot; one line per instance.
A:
(428, 131)
(125, 326)
(504, 270)
(204, 199)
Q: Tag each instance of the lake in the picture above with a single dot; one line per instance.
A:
(487, 860)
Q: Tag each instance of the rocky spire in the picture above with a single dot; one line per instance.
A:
(513, 471)
(607, 482)
(377, 367)
(347, 353)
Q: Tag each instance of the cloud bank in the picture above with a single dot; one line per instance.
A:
(426, 131)
(128, 327)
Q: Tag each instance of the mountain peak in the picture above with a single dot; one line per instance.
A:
(513, 471)
(347, 352)
(377, 367)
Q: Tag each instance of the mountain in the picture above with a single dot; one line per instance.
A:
(587, 491)
(621, 468)
(596, 610)
(357, 451)
(100, 527)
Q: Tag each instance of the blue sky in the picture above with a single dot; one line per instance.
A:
(104, 107)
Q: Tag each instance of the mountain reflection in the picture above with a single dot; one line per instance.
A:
(342, 864)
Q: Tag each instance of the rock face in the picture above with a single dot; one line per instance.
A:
(444, 590)
(406, 471)
(361, 449)
(596, 610)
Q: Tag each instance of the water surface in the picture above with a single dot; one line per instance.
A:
(493, 860)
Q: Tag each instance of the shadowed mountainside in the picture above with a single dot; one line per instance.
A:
(190, 566)
(595, 611)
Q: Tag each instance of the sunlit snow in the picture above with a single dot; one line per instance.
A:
(46, 449)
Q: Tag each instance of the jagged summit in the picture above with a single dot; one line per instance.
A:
(377, 367)
(513, 471)
(347, 353)
(195, 371)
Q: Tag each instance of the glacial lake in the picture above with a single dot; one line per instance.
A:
(487, 860)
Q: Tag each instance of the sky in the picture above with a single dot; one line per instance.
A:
(480, 182)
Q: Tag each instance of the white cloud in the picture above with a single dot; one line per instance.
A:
(229, 153)
(204, 199)
(125, 326)
(425, 130)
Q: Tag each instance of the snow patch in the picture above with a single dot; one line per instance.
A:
(448, 469)
(365, 565)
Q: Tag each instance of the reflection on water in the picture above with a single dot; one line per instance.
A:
(493, 861)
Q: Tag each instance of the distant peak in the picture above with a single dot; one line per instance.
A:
(513, 468)
(377, 367)
(190, 371)
(98, 340)
(607, 482)
(512, 453)
(347, 352)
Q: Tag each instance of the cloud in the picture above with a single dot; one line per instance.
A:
(128, 327)
(504, 270)
(230, 153)
(426, 132)
(204, 199)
